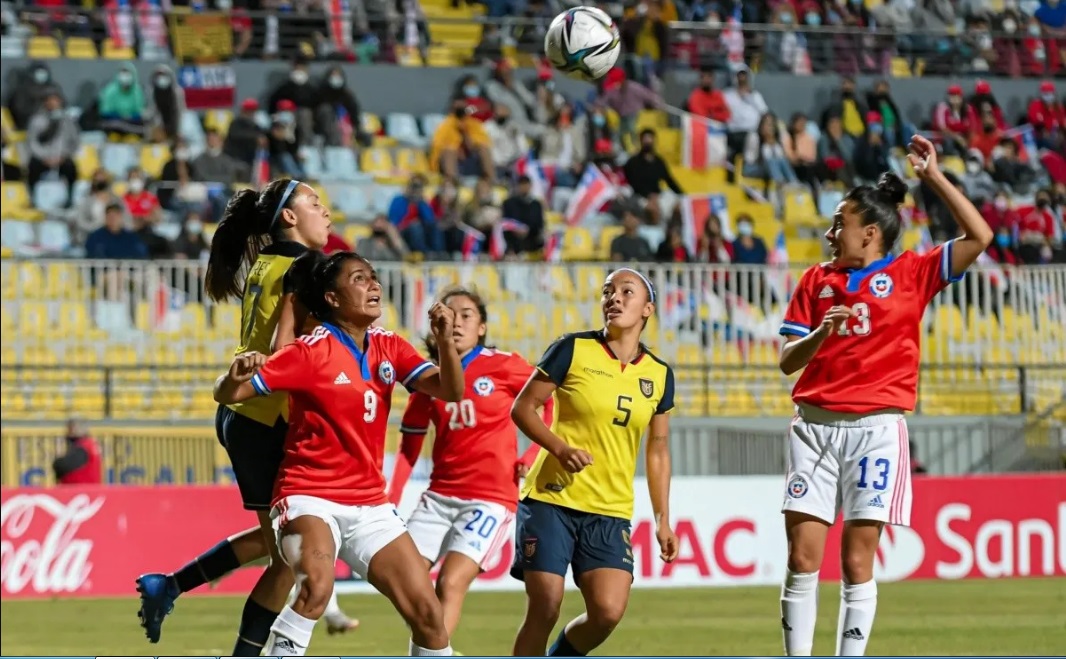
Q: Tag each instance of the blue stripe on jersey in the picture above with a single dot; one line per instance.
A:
(418, 371)
(856, 277)
(358, 355)
(260, 387)
(945, 263)
(471, 356)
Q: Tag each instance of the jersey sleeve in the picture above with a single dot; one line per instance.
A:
(934, 270)
(518, 372)
(666, 403)
(798, 317)
(416, 418)
(557, 358)
(287, 369)
(409, 363)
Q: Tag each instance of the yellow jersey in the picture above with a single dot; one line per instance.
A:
(263, 289)
(604, 407)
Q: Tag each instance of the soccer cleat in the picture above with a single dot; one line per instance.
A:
(157, 601)
(340, 624)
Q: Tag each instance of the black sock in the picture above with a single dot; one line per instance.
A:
(562, 647)
(213, 564)
(256, 622)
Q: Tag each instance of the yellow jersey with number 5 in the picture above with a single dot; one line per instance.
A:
(263, 289)
(604, 407)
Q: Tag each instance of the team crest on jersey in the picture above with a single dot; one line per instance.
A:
(881, 285)
(797, 487)
(386, 372)
(484, 386)
(647, 387)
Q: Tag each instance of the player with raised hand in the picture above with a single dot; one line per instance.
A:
(577, 501)
(464, 518)
(261, 233)
(854, 325)
(329, 498)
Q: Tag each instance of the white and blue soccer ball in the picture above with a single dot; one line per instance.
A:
(583, 43)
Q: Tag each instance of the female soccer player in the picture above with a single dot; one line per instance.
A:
(578, 498)
(854, 324)
(265, 230)
(329, 499)
(464, 518)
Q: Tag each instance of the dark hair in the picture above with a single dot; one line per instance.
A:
(114, 208)
(247, 226)
(647, 131)
(314, 274)
(879, 204)
(482, 310)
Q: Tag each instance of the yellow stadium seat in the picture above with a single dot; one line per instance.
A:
(607, 236)
(39, 355)
(82, 355)
(485, 280)
(16, 202)
(80, 48)
(115, 51)
(153, 158)
(7, 123)
(120, 355)
(43, 48)
(578, 245)
(901, 68)
(412, 161)
(799, 204)
(376, 161)
(371, 123)
(323, 198)
(653, 119)
(953, 164)
(218, 121)
(128, 403)
(354, 232)
(33, 318)
(87, 160)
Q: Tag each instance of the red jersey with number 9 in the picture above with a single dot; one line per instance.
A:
(339, 400)
(871, 364)
(476, 444)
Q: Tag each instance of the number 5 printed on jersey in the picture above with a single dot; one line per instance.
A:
(860, 326)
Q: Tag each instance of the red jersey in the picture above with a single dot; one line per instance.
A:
(872, 363)
(339, 400)
(476, 444)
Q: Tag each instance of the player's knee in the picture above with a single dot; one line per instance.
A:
(857, 565)
(804, 556)
(544, 611)
(315, 591)
(424, 615)
(605, 616)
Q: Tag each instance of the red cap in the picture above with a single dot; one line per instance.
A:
(603, 146)
(614, 79)
(1047, 87)
(955, 90)
(544, 75)
(249, 105)
(982, 87)
(285, 105)
(873, 117)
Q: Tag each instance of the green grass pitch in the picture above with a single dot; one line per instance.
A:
(1025, 616)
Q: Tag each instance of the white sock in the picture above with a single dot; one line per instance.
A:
(418, 651)
(858, 606)
(291, 634)
(333, 608)
(799, 612)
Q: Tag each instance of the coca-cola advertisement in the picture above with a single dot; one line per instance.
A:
(92, 541)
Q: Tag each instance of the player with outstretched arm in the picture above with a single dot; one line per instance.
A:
(464, 519)
(329, 499)
(577, 502)
(854, 326)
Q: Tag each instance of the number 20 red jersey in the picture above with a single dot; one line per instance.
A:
(871, 364)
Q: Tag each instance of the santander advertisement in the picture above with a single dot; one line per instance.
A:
(94, 541)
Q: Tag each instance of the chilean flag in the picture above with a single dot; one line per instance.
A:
(498, 242)
(120, 27)
(780, 277)
(703, 141)
(261, 168)
(529, 166)
(553, 246)
(472, 239)
(593, 191)
(695, 209)
(166, 301)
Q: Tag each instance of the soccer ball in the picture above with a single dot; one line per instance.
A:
(583, 43)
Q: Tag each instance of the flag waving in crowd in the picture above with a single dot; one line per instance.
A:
(593, 191)
(703, 142)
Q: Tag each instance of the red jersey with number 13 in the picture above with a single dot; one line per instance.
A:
(476, 444)
(339, 401)
(871, 364)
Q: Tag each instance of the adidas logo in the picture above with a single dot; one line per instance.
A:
(826, 292)
(876, 502)
(854, 634)
(785, 626)
(284, 644)
(342, 379)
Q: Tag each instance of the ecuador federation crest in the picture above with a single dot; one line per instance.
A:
(647, 387)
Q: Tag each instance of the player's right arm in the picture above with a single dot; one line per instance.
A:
(550, 374)
(413, 429)
(802, 341)
(254, 374)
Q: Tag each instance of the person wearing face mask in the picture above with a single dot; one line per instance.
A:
(1047, 116)
(706, 101)
(986, 135)
(298, 89)
(122, 103)
(191, 244)
(523, 207)
(214, 166)
(982, 101)
(53, 139)
(952, 118)
(646, 173)
(338, 117)
(871, 151)
(502, 89)
(468, 89)
(244, 133)
(999, 214)
(141, 203)
(1009, 169)
(384, 242)
(89, 213)
(848, 107)
(461, 146)
(28, 93)
(413, 218)
(1002, 248)
(748, 249)
(166, 101)
(1036, 230)
(508, 141)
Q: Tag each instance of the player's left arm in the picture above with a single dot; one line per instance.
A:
(657, 460)
(960, 253)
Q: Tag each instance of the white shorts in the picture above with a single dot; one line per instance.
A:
(478, 529)
(849, 463)
(359, 532)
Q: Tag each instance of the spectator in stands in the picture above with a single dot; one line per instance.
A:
(1008, 168)
(548, 100)
(645, 38)
(468, 91)
(846, 105)
(166, 102)
(283, 143)
(627, 98)
(335, 243)
(646, 172)
(976, 180)
(461, 146)
(801, 149)
(81, 464)
(214, 166)
(158, 246)
(784, 48)
(191, 243)
(672, 248)
(1002, 248)
(114, 240)
(599, 130)
(122, 104)
(176, 188)
(952, 119)
(502, 89)
(53, 140)
(384, 242)
(91, 211)
(141, 203)
(746, 108)
(1047, 116)
(836, 153)
(706, 101)
(413, 218)
(879, 100)
(764, 154)
(523, 207)
(1052, 15)
(11, 171)
(999, 214)
(983, 99)
(1033, 51)
(986, 135)
(446, 209)
(338, 117)
(297, 89)
(871, 152)
(31, 86)
(1037, 230)
(748, 249)
(976, 47)
(243, 136)
(631, 246)
(712, 246)
(508, 141)
(564, 146)
(482, 212)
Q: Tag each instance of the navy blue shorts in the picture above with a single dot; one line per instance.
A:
(255, 451)
(550, 538)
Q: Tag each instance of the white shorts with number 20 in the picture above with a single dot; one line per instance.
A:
(854, 464)
(478, 529)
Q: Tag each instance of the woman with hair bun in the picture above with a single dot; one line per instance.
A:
(854, 326)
